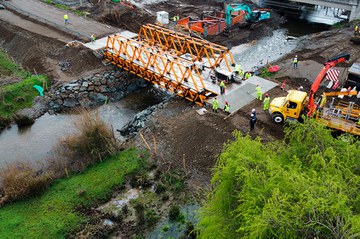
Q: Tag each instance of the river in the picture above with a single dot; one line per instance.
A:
(35, 143)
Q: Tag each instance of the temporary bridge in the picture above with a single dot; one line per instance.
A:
(177, 62)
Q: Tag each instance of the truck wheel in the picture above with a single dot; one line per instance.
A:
(277, 118)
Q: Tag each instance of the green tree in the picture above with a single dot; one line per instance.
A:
(305, 186)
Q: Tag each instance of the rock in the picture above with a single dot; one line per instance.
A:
(103, 81)
(85, 84)
(104, 89)
(97, 82)
(91, 88)
(23, 120)
(117, 96)
(99, 98)
(70, 102)
(108, 222)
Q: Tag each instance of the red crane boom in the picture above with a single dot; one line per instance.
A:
(315, 86)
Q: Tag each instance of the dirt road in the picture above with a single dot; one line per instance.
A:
(79, 27)
(13, 19)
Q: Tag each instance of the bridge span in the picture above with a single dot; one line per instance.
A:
(353, 6)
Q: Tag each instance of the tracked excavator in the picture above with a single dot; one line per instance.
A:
(340, 115)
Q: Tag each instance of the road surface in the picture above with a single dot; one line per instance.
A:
(18, 21)
(80, 27)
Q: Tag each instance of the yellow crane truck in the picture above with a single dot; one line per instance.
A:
(344, 116)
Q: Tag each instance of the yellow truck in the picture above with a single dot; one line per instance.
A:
(288, 108)
(340, 115)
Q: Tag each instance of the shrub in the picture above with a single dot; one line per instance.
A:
(93, 142)
(174, 212)
(20, 180)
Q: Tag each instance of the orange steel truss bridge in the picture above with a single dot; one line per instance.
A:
(177, 62)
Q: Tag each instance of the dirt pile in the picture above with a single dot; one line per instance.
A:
(46, 55)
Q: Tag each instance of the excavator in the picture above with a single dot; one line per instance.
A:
(342, 117)
(251, 16)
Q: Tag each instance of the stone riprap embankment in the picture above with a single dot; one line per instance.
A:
(93, 90)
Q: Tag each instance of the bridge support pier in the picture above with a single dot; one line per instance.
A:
(355, 13)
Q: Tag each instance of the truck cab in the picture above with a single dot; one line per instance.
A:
(289, 107)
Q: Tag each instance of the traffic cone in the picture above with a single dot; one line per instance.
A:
(283, 85)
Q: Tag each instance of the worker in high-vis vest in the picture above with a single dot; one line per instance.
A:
(295, 62)
(357, 30)
(237, 69)
(247, 75)
(227, 107)
(258, 92)
(266, 102)
(222, 87)
(66, 19)
(215, 105)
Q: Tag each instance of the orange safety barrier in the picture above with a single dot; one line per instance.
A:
(200, 50)
(160, 67)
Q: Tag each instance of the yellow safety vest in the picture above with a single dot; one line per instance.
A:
(66, 17)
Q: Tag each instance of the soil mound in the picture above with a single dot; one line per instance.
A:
(46, 55)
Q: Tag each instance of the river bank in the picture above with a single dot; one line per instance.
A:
(188, 142)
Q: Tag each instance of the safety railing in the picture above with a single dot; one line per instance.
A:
(212, 54)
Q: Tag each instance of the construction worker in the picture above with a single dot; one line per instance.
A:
(258, 92)
(237, 69)
(93, 37)
(227, 107)
(295, 62)
(357, 31)
(177, 17)
(66, 18)
(222, 87)
(215, 105)
(266, 102)
(252, 119)
(247, 75)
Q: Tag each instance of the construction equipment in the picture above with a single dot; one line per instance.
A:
(251, 16)
(297, 103)
(174, 61)
(233, 14)
(356, 37)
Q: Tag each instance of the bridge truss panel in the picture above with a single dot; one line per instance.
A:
(211, 54)
(160, 67)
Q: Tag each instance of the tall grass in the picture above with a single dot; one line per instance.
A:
(20, 180)
(93, 142)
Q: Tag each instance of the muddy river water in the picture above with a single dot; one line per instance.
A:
(36, 142)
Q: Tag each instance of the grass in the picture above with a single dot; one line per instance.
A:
(53, 214)
(19, 95)
(66, 8)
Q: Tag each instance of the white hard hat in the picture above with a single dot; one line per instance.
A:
(253, 110)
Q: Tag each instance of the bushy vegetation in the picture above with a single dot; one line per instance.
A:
(21, 180)
(304, 187)
(92, 142)
(54, 214)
